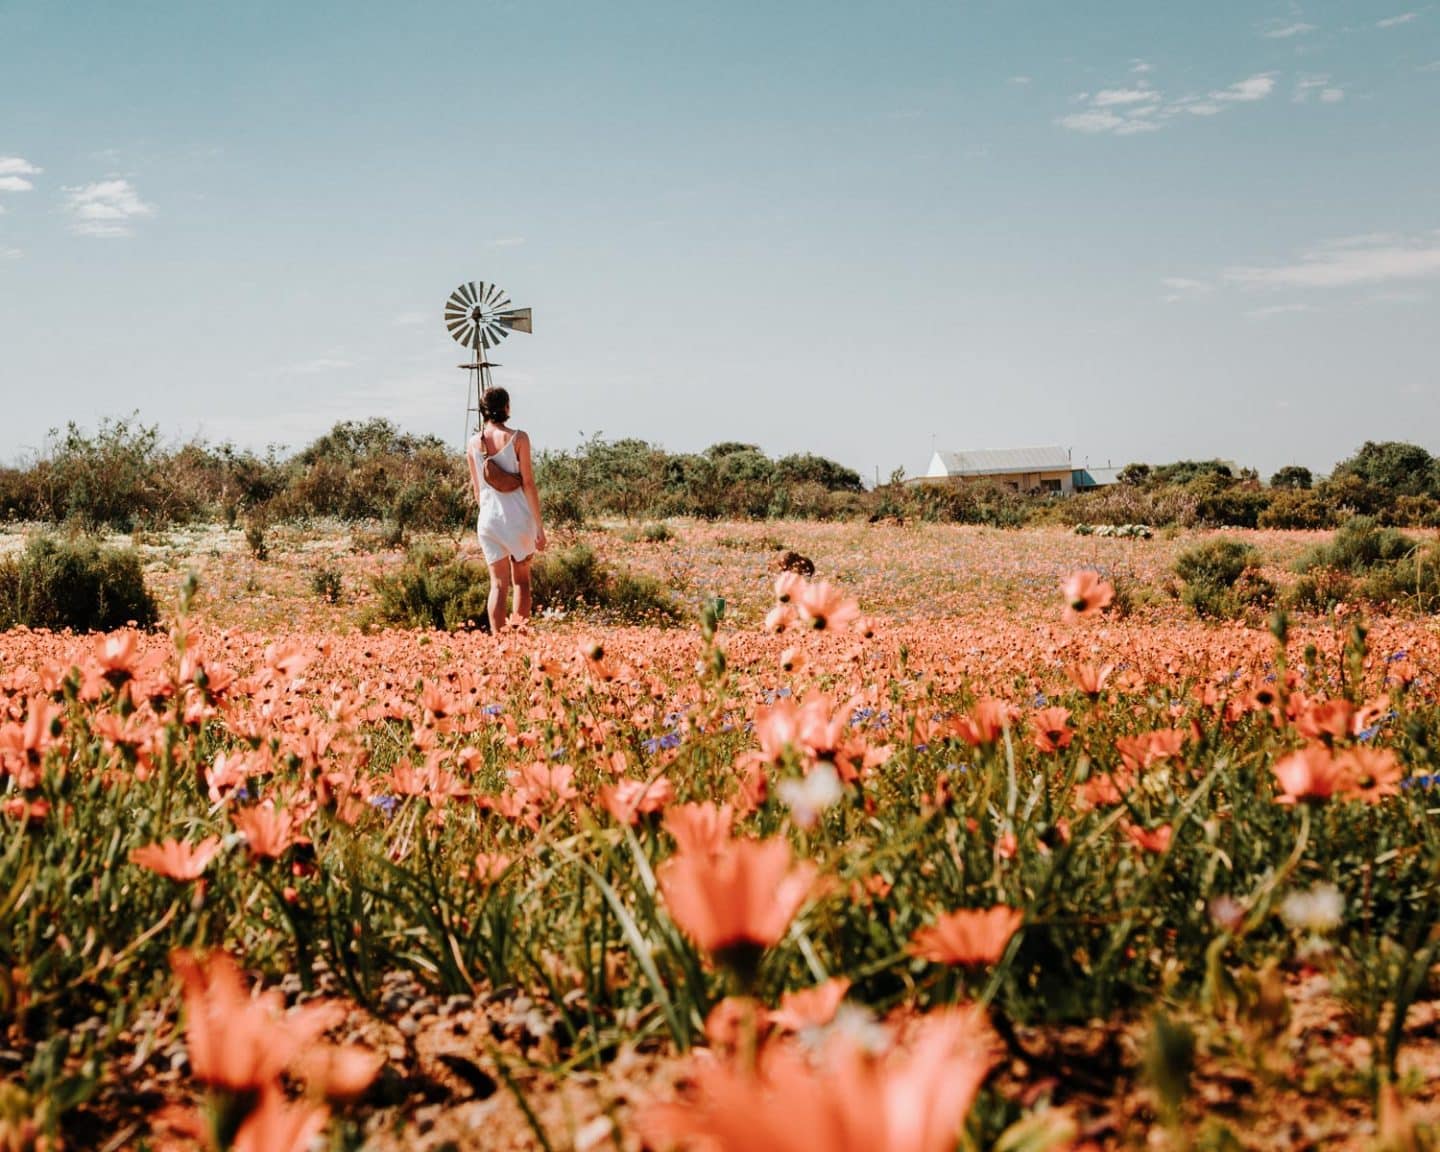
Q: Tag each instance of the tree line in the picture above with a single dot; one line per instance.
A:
(124, 476)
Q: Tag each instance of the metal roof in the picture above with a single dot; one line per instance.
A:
(994, 461)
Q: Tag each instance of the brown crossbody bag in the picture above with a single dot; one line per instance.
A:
(494, 475)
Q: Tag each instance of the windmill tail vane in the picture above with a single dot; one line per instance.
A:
(478, 315)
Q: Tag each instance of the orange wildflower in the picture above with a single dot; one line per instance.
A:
(850, 1101)
(177, 859)
(985, 722)
(810, 1007)
(699, 829)
(1369, 774)
(1150, 839)
(490, 866)
(1309, 774)
(1326, 720)
(238, 1042)
(268, 830)
(822, 605)
(276, 1125)
(1085, 594)
(739, 899)
(628, 800)
(971, 937)
(1090, 679)
(1052, 729)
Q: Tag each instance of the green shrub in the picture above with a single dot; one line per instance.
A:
(1222, 579)
(656, 533)
(326, 584)
(1296, 508)
(1359, 545)
(74, 584)
(1216, 563)
(436, 588)
(574, 579)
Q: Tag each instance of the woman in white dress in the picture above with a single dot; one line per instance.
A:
(509, 526)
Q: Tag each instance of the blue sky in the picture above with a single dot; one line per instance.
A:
(1141, 230)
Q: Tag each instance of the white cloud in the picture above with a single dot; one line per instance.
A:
(1285, 31)
(1180, 288)
(8, 253)
(1141, 67)
(105, 209)
(1279, 310)
(13, 173)
(1356, 260)
(1247, 91)
(1433, 66)
(1320, 86)
(1118, 97)
(507, 242)
(1091, 121)
(1019, 80)
(411, 319)
(1396, 21)
(1130, 110)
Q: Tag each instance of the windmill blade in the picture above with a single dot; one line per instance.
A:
(517, 320)
(496, 333)
(495, 293)
(468, 293)
(500, 305)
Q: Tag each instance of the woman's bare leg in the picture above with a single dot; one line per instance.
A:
(520, 571)
(499, 600)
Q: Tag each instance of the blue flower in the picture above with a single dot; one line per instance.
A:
(492, 709)
(386, 804)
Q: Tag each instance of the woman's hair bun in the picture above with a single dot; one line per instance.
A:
(495, 405)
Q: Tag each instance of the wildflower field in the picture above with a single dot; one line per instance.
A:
(973, 839)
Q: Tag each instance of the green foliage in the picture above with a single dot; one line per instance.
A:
(1398, 468)
(1359, 545)
(1222, 579)
(1366, 560)
(1292, 476)
(574, 579)
(434, 588)
(657, 532)
(326, 583)
(437, 588)
(76, 584)
(806, 468)
(1295, 508)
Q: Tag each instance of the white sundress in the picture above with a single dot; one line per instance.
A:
(506, 526)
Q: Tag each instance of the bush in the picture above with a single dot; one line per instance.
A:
(1360, 545)
(574, 579)
(1222, 579)
(1216, 563)
(436, 588)
(1296, 508)
(656, 533)
(74, 584)
(327, 585)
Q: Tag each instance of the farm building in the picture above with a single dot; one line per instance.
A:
(1023, 469)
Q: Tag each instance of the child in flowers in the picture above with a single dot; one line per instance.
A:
(509, 524)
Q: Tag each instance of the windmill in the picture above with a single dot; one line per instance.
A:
(479, 316)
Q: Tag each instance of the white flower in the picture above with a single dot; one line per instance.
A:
(809, 797)
(1319, 909)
